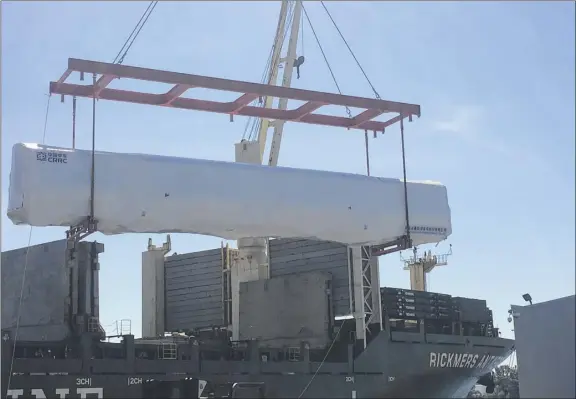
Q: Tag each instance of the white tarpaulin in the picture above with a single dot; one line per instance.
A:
(136, 193)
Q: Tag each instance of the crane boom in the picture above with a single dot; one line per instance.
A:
(286, 82)
(252, 151)
(273, 74)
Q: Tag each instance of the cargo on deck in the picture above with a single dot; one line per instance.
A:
(137, 193)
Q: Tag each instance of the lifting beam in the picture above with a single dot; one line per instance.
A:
(250, 91)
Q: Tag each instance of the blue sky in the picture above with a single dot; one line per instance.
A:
(495, 81)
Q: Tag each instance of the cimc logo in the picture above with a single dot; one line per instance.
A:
(51, 157)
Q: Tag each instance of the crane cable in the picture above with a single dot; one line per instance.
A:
(25, 268)
(93, 154)
(351, 51)
(302, 47)
(348, 112)
(251, 122)
(119, 59)
(323, 359)
(406, 213)
(407, 217)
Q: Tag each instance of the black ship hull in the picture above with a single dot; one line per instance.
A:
(390, 367)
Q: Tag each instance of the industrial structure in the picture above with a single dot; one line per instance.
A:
(267, 319)
(420, 265)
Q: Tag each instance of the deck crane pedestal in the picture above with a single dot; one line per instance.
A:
(420, 265)
(252, 263)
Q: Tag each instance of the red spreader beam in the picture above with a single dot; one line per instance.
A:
(250, 91)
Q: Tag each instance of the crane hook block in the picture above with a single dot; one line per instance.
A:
(297, 62)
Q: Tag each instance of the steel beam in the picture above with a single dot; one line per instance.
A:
(250, 91)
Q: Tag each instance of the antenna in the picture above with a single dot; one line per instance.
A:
(420, 265)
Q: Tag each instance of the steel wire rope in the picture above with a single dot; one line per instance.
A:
(93, 155)
(323, 359)
(250, 119)
(407, 218)
(348, 112)
(119, 59)
(406, 208)
(132, 33)
(350, 50)
(25, 268)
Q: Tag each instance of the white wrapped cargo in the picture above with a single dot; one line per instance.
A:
(137, 193)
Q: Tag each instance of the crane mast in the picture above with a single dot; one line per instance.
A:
(252, 151)
(252, 252)
(420, 265)
(289, 64)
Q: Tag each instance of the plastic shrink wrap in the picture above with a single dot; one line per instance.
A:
(136, 193)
